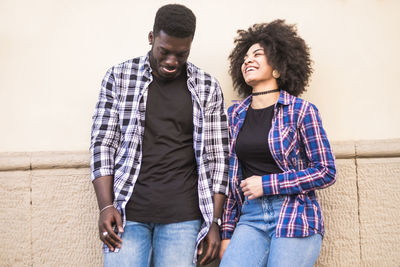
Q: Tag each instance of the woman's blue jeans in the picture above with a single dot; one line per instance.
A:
(254, 242)
(170, 244)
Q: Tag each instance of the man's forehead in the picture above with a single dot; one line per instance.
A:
(167, 42)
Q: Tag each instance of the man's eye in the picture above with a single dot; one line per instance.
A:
(182, 55)
(163, 52)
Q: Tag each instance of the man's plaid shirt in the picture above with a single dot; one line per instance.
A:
(118, 128)
(300, 147)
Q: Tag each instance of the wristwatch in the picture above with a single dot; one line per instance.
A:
(217, 221)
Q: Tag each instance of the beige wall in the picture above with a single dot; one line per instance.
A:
(49, 212)
(53, 55)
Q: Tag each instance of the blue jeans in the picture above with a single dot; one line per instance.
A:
(254, 242)
(170, 244)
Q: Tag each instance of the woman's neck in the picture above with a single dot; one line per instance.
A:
(265, 100)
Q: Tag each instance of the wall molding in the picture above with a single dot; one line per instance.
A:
(13, 161)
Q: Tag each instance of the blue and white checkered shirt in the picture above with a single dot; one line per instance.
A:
(118, 128)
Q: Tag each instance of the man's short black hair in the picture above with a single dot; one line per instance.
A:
(175, 20)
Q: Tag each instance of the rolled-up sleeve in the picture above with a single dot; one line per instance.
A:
(229, 217)
(216, 139)
(105, 134)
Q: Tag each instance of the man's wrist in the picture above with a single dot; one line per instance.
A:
(106, 207)
(217, 221)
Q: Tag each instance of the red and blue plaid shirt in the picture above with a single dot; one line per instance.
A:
(300, 147)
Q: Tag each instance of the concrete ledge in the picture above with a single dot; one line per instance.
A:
(378, 148)
(344, 149)
(10, 161)
(62, 159)
(15, 161)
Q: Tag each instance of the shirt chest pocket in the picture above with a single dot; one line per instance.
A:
(289, 144)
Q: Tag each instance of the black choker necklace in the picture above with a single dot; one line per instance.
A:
(265, 92)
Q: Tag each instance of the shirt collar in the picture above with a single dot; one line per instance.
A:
(146, 64)
(243, 105)
(284, 99)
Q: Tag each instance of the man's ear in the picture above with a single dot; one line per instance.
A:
(151, 38)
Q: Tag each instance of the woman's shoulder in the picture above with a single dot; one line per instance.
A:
(239, 106)
(301, 103)
(233, 107)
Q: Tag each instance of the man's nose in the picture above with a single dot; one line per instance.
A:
(171, 60)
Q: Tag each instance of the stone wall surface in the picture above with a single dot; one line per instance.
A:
(48, 209)
(379, 189)
(68, 197)
(339, 204)
(15, 218)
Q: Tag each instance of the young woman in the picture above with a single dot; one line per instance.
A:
(279, 153)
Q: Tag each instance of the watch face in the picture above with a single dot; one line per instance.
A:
(218, 221)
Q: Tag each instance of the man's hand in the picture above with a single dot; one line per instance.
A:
(224, 245)
(109, 216)
(213, 241)
(107, 219)
(252, 187)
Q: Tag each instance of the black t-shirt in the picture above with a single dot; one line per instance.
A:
(166, 189)
(252, 147)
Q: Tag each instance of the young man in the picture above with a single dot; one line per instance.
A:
(159, 153)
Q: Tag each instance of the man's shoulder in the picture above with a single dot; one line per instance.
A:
(201, 75)
(133, 64)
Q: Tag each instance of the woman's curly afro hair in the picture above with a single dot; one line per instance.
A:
(285, 51)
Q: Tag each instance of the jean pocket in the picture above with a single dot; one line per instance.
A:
(245, 203)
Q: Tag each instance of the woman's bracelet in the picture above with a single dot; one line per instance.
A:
(106, 207)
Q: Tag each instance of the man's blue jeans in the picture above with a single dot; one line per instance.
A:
(254, 242)
(171, 244)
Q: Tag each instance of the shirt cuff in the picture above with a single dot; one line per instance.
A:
(270, 184)
(101, 172)
(220, 189)
(226, 234)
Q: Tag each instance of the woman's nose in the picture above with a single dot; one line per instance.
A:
(248, 60)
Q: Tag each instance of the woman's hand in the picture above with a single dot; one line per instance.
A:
(252, 187)
(224, 245)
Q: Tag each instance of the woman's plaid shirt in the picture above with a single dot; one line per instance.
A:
(300, 147)
(118, 127)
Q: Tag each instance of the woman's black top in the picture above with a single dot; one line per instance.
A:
(252, 147)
